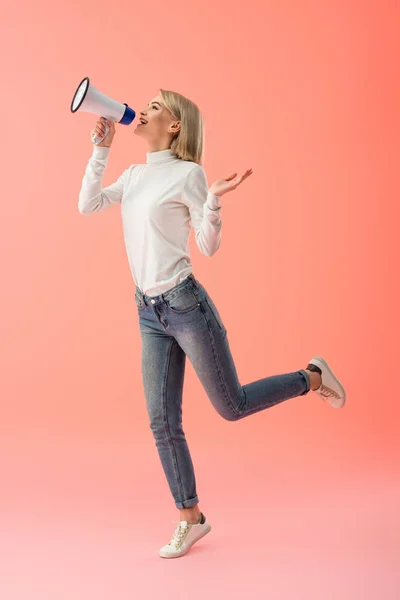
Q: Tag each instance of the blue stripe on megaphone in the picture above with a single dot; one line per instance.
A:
(129, 115)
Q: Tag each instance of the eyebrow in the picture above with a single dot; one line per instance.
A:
(154, 102)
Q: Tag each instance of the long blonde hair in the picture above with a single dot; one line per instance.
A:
(188, 143)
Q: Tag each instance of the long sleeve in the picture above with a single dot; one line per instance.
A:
(204, 210)
(92, 198)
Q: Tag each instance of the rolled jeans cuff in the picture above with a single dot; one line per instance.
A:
(308, 381)
(187, 503)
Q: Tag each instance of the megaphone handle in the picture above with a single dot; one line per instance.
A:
(99, 139)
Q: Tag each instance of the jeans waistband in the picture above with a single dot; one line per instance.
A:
(189, 281)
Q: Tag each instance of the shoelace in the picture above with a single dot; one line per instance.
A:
(327, 392)
(179, 534)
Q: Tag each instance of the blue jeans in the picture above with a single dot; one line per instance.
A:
(182, 322)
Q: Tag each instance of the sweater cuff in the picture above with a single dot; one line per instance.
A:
(213, 202)
(101, 151)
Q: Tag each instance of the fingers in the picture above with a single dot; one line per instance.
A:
(246, 174)
(100, 128)
(243, 177)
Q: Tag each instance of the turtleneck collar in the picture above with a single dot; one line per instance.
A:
(161, 156)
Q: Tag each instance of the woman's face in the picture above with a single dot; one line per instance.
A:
(160, 124)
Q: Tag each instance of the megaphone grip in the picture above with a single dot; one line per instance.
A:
(98, 139)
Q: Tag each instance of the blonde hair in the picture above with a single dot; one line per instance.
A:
(188, 143)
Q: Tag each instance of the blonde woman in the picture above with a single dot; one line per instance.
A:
(160, 201)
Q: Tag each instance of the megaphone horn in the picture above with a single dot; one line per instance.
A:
(88, 99)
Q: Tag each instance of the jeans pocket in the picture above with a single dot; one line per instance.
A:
(184, 302)
(214, 312)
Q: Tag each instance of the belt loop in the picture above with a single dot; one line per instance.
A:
(142, 296)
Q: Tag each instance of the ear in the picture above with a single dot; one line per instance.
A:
(175, 127)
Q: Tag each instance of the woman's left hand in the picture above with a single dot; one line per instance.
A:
(222, 186)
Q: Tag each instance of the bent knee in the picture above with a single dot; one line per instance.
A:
(230, 415)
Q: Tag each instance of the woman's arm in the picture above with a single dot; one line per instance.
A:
(204, 211)
(92, 198)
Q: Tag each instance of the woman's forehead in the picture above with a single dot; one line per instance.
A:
(156, 99)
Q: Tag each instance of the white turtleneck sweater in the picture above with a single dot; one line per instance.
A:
(160, 200)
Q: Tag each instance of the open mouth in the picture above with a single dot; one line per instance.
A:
(142, 122)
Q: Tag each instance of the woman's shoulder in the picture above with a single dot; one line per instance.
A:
(189, 166)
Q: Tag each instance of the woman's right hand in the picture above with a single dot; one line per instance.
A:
(99, 130)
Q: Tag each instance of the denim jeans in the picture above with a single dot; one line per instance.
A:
(184, 321)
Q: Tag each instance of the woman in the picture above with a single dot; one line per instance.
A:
(160, 200)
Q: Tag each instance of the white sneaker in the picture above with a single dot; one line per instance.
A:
(185, 535)
(330, 390)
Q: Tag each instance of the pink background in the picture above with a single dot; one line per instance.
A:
(303, 499)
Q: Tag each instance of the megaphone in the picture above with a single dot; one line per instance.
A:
(89, 99)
